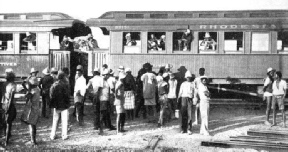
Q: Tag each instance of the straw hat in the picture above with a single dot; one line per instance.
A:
(79, 68)
(33, 70)
(207, 35)
(46, 71)
(121, 68)
(168, 66)
(128, 35)
(53, 70)
(33, 81)
(203, 77)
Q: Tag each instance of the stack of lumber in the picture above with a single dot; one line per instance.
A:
(270, 140)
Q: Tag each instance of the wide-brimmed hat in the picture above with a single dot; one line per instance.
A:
(46, 71)
(33, 70)
(33, 81)
(127, 70)
(207, 35)
(168, 66)
(269, 70)
(9, 70)
(188, 74)
(203, 77)
(54, 70)
(121, 68)
(128, 34)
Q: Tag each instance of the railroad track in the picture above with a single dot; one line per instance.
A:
(270, 140)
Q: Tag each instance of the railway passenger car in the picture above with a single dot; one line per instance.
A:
(33, 40)
(243, 44)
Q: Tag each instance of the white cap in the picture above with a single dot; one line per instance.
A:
(188, 74)
(121, 68)
(46, 71)
(207, 34)
(269, 70)
(203, 77)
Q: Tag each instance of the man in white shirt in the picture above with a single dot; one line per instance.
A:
(279, 92)
(186, 93)
(172, 98)
(79, 93)
(95, 86)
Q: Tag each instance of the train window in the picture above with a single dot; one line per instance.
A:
(156, 41)
(182, 40)
(6, 42)
(233, 41)
(28, 42)
(282, 41)
(207, 41)
(132, 42)
(260, 42)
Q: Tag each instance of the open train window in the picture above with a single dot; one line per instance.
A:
(132, 42)
(282, 41)
(182, 40)
(233, 41)
(208, 41)
(6, 42)
(260, 42)
(156, 41)
(28, 42)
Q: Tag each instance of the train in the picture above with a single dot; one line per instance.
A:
(242, 44)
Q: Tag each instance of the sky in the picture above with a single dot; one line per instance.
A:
(85, 9)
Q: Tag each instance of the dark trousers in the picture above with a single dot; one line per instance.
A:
(101, 116)
(186, 114)
(79, 113)
(45, 104)
(120, 121)
(140, 106)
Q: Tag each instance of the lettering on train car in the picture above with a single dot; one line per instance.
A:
(122, 27)
(7, 64)
(264, 26)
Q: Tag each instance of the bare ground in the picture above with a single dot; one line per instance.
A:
(225, 121)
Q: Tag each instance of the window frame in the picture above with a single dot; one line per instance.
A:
(237, 51)
(216, 51)
(28, 51)
(269, 42)
(14, 46)
(282, 51)
(156, 51)
(124, 46)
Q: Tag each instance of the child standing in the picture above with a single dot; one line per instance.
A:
(186, 93)
(119, 104)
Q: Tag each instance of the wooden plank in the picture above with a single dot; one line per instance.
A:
(276, 134)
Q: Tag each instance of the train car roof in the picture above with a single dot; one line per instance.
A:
(142, 18)
(48, 19)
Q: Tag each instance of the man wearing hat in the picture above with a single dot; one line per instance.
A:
(129, 41)
(204, 96)
(168, 68)
(95, 85)
(172, 97)
(208, 42)
(45, 85)
(196, 99)
(267, 89)
(33, 73)
(186, 94)
(79, 93)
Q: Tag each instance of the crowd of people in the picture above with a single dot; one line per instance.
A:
(159, 95)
